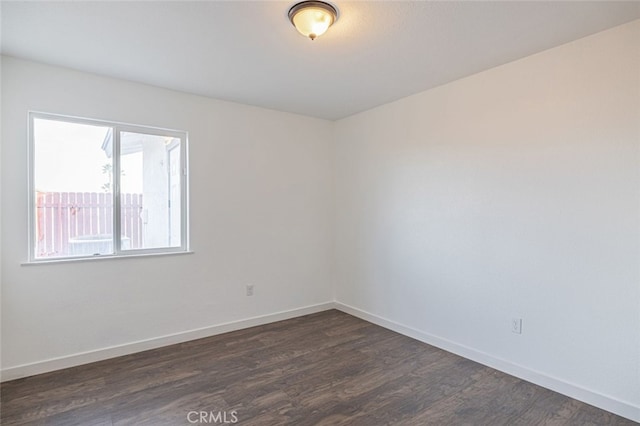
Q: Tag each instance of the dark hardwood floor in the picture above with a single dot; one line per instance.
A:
(323, 369)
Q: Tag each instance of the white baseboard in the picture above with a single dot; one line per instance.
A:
(614, 405)
(46, 366)
(608, 403)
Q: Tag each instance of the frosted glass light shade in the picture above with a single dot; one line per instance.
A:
(312, 18)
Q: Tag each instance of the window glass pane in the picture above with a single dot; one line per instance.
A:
(73, 181)
(150, 191)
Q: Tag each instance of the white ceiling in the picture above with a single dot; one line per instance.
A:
(248, 52)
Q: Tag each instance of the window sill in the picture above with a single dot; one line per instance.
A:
(103, 257)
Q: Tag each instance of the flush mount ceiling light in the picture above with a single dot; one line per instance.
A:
(312, 18)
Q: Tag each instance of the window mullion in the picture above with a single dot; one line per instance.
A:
(117, 222)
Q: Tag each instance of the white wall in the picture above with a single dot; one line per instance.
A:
(261, 197)
(512, 193)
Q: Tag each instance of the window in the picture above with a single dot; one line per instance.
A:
(105, 189)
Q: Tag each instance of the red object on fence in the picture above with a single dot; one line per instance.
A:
(64, 216)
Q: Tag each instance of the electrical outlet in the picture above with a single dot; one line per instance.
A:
(249, 289)
(516, 325)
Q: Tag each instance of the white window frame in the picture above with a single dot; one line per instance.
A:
(116, 129)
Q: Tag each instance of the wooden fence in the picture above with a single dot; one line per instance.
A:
(67, 221)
